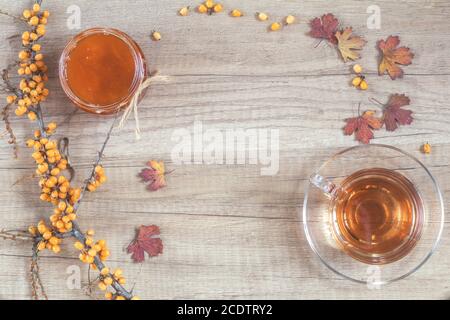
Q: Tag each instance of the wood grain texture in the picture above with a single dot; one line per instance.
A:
(228, 231)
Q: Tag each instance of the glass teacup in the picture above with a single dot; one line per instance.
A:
(373, 213)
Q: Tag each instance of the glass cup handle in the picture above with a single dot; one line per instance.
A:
(328, 188)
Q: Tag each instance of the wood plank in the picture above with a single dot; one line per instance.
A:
(228, 231)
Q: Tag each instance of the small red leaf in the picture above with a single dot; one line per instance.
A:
(324, 28)
(155, 175)
(392, 56)
(394, 115)
(362, 126)
(145, 241)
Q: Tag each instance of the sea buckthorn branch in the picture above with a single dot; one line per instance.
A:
(9, 88)
(37, 288)
(15, 235)
(4, 13)
(51, 163)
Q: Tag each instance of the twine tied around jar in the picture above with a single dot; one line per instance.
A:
(134, 103)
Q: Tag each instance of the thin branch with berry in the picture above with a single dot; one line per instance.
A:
(52, 164)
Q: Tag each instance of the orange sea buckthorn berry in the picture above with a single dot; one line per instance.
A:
(26, 35)
(89, 241)
(23, 55)
(26, 14)
(356, 81)
(275, 26)
(30, 143)
(10, 99)
(41, 246)
(104, 271)
(262, 16)
(78, 245)
(118, 273)
(32, 116)
(40, 30)
(184, 11)
(156, 36)
(36, 47)
(209, 4)
(34, 21)
(62, 205)
(46, 14)
(36, 7)
(102, 286)
(20, 111)
(236, 13)
(218, 8)
(47, 235)
(54, 240)
(92, 252)
(290, 19)
(426, 148)
(108, 295)
(202, 8)
(108, 281)
(120, 298)
(363, 85)
(56, 249)
(32, 230)
(33, 36)
(357, 68)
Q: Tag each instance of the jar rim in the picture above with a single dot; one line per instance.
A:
(139, 70)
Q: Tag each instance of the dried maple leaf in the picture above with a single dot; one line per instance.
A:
(155, 175)
(394, 115)
(145, 241)
(324, 28)
(392, 56)
(362, 126)
(349, 45)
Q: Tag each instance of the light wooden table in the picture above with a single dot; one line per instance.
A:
(229, 232)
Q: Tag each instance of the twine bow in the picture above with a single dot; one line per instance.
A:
(134, 103)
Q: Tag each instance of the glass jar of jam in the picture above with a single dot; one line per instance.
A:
(101, 70)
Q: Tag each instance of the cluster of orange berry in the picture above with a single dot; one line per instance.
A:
(55, 187)
(98, 179)
(91, 249)
(49, 240)
(209, 6)
(360, 80)
(31, 65)
(107, 278)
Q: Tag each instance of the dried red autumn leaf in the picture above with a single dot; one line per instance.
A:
(324, 28)
(392, 56)
(145, 241)
(394, 115)
(155, 175)
(362, 126)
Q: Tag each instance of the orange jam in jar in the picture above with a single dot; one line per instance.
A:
(101, 70)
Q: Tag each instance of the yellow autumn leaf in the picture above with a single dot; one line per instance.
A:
(349, 45)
